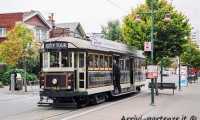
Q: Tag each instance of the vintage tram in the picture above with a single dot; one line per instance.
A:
(77, 72)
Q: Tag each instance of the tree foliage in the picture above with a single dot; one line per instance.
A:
(113, 31)
(174, 65)
(166, 62)
(20, 43)
(191, 54)
(168, 36)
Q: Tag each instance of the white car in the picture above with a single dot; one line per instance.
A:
(165, 73)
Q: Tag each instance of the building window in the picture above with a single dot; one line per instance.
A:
(2, 32)
(41, 34)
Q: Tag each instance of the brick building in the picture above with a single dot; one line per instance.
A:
(65, 29)
(33, 19)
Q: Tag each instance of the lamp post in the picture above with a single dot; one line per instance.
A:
(167, 18)
(179, 70)
(179, 73)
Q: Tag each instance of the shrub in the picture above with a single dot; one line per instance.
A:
(31, 77)
(5, 77)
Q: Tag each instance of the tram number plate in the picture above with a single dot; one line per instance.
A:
(55, 88)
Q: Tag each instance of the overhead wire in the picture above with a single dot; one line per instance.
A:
(117, 6)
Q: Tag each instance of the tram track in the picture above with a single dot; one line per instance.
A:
(36, 112)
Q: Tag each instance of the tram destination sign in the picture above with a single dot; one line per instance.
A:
(55, 45)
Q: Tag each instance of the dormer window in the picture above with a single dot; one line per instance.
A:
(2, 32)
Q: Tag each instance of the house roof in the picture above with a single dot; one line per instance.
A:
(28, 15)
(72, 26)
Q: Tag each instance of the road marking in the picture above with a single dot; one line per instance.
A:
(100, 107)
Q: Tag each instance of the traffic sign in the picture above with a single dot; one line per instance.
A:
(147, 46)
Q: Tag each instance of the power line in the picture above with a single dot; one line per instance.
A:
(118, 6)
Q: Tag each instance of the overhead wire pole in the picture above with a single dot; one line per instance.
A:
(152, 51)
(167, 18)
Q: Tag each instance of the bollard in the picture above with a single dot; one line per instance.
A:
(12, 78)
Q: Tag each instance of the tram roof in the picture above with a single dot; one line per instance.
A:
(96, 44)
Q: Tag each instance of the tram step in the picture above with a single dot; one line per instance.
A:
(115, 95)
(57, 104)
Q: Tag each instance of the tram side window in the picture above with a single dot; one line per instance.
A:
(127, 64)
(135, 63)
(106, 61)
(54, 59)
(81, 60)
(96, 61)
(75, 61)
(45, 59)
(91, 60)
(110, 62)
(101, 61)
(122, 64)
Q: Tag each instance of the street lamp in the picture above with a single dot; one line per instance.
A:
(167, 18)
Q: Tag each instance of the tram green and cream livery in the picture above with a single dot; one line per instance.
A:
(80, 72)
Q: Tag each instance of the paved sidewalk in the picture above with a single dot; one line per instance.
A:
(183, 105)
(31, 90)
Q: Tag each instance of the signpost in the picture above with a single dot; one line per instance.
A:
(152, 71)
(183, 73)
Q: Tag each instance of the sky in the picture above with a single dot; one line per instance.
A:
(93, 13)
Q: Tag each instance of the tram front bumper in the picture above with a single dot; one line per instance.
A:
(62, 93)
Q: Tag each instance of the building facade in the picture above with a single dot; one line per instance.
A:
(33, 19)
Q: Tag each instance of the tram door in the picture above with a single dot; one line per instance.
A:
(80, 71)
(132, 70)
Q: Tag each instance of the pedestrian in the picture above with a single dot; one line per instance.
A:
(117, 75)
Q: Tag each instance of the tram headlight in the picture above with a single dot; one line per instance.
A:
(69, 87)
(54, 81)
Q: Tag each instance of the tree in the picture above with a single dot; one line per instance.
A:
(166, 62)
(194, 57)
(174, 65)
(113, 31)
(168, 36)
(20, 43)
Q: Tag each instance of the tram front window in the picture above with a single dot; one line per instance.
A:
(45, 60)
(66, 60)
(54, 59)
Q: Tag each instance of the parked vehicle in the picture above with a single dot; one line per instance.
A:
(165, 73)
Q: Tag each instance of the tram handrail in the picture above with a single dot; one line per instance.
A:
(33, 83)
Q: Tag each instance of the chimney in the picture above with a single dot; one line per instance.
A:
(51, 20)
(49, 17)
